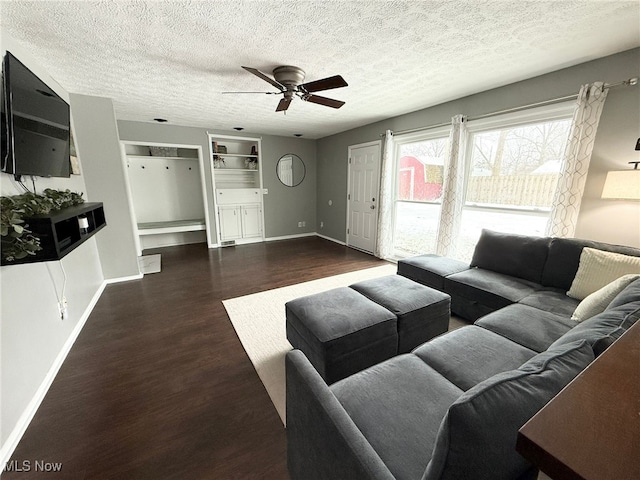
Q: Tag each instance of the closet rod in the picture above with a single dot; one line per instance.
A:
(629, 82)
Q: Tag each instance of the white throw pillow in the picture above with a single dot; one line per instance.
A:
(599, 300)
(599, 268)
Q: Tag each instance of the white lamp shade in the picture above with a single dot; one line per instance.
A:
(624, 185)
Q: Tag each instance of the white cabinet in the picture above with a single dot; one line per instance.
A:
(240, 222)
(230, 222)
(239, 214)
(236, 167)
(251, 221)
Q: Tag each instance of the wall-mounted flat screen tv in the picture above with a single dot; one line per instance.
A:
(35, 124)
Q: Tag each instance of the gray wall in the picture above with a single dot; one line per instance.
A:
(604, 220)
(99, 151)
(282, 205)
(32, 335)
(285, 206)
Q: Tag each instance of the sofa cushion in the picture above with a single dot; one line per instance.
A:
(564, 256)
(470, 354)
(493, 289)
(477, 437)
(603, 329)
(629, 294)
(599, 300)
(398, 406)
(598, 268)
(552, 300)
(527, 326)
(521, 256)
(430, 269)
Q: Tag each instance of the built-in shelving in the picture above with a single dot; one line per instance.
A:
(237, 186)
(167, 193)
(229, 156)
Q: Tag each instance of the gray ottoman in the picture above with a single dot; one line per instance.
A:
(430, 270)
(422, 312)
(341, 332)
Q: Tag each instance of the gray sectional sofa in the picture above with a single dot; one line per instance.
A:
(452, 407)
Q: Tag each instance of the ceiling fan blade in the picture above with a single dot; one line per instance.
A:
(283, 105)
(325, 84)
(329, 102)
(258, 73)
(264, 93)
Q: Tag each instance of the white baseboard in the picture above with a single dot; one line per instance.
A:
(16, 434)
(331, 239)
(289, 237)
(109, 281)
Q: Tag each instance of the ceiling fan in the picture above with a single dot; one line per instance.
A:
(288, 80)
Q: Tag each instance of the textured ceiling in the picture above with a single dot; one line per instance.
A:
(173, 59)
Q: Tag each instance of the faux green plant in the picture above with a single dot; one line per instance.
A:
(17, 241)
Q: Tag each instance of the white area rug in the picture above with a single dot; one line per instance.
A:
(259, 320)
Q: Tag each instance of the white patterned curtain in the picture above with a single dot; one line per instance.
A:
(384, 242)
(452, 189)
(575, 166)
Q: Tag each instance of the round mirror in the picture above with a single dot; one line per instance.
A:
(290, 170)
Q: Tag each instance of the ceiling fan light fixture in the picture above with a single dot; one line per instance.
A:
(288, 80)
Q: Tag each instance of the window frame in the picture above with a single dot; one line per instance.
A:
(532, 116)
(443, 132)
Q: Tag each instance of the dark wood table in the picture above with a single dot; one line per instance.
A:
(591, 429)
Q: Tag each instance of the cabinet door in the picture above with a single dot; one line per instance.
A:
(251, 221)
(230, 222)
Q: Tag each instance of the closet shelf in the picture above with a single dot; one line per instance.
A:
(153, 157)
(174, 226)
(219, 154)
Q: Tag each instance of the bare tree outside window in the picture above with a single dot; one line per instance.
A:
(517, 166)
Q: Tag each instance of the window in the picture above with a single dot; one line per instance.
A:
(419, 168)
(513, 170)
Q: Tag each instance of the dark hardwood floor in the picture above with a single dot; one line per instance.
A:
(158, 386)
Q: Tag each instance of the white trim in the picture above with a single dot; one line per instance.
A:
(127, 185)
(289, 237)
(109, 281)
(29, 412)
(331, 239)
(203, 184)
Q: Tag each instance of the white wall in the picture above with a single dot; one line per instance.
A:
(33, 338)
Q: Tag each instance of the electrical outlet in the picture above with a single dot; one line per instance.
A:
(304, 224)
(321, 224)
(299, 224)
(64, 310)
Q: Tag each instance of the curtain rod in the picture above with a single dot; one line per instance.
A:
(627, 83)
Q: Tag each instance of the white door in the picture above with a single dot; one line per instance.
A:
(362, 200)
(230, 222)
(251, 221)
